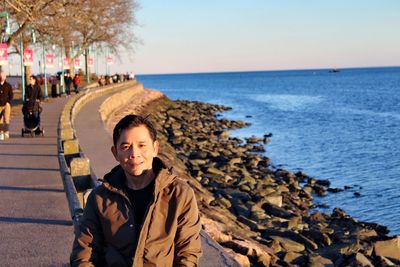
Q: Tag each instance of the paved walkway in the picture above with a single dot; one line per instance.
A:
(35, 223)
(96, 143)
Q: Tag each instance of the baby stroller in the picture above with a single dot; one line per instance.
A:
(31, 112)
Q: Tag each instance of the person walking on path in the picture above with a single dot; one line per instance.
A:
(142, 214)
(68, 82)
(6, 96)
(54, 85)
(33, 96)
(76, 82)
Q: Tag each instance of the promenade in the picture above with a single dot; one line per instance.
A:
(35, 223)
(96, 144)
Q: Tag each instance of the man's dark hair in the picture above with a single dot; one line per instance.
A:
(130, 121)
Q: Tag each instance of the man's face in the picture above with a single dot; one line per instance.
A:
(2, 77)
(135, 150)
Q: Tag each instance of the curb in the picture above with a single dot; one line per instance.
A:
(83, 178)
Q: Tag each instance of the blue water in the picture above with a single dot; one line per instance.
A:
(342, 126)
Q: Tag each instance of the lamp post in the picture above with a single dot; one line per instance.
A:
(62, 72)
(21, 47)
(86, 64)
(96, 58)
(107, 65)
(44, 73)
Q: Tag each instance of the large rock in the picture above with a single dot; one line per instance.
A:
(288, 244)
(275, 199)
(389, 248)
(318, 261)
(276, 211)
(361, 260)
(259, 253)
(215, 230)
(241, 259)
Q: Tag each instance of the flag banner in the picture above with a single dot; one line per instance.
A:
(77, 63)
(28, 57)
(90, 62)
(67, 63)
(3, 54)
(50, 61)
(109, 60)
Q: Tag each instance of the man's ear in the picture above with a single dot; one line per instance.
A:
(155, 146)
(114, 152)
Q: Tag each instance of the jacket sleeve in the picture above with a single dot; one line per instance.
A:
(87, 249)
(187, 239)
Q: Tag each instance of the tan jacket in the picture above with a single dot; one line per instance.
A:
(169, 235)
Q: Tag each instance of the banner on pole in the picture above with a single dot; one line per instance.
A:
(67, 63)
(28, 57)
(109, 60)
(50, 61)
(77, 63)
(3, 54)
(90, 62)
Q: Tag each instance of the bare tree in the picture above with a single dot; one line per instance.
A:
(78, 23)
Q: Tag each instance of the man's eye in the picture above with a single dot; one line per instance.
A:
(124, 147)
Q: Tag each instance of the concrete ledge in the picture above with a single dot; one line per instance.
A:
(119, 100)
(69, 153)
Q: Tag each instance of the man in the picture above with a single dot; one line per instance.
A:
(142, 214)
(6, 96)
(68, 82)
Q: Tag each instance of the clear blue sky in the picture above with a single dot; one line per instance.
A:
(236, 35)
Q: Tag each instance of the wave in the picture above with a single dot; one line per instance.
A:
(366, 112)
(287, 102)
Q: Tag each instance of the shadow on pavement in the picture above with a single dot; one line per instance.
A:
(15, 188)
(36, 221)
(29, 169)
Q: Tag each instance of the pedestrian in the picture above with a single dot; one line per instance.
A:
(6, 96)
(68, 82)
(77, 82)
(33, 96)
(54, 85)
(142, 214)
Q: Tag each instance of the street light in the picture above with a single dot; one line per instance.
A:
(44, 73)
(62, 83)
(21, 47)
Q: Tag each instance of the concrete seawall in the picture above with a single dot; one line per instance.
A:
(89, 124)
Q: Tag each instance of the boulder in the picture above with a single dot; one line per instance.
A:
(259, 253)
(241, 259)
(215, 171)
(274, 199)
(215, 230)
(291, 256)
(252, 224)
(319, 261)
(288, 244)
(276, 211)
(388, 248)
(361, 260)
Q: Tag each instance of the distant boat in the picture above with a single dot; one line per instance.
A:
(334, 70)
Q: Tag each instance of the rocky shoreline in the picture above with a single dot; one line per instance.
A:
(263, 216)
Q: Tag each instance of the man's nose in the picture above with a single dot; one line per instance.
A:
(134, 152)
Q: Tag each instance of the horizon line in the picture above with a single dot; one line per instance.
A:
(276, 70)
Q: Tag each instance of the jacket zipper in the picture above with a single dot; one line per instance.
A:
(145, 221)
